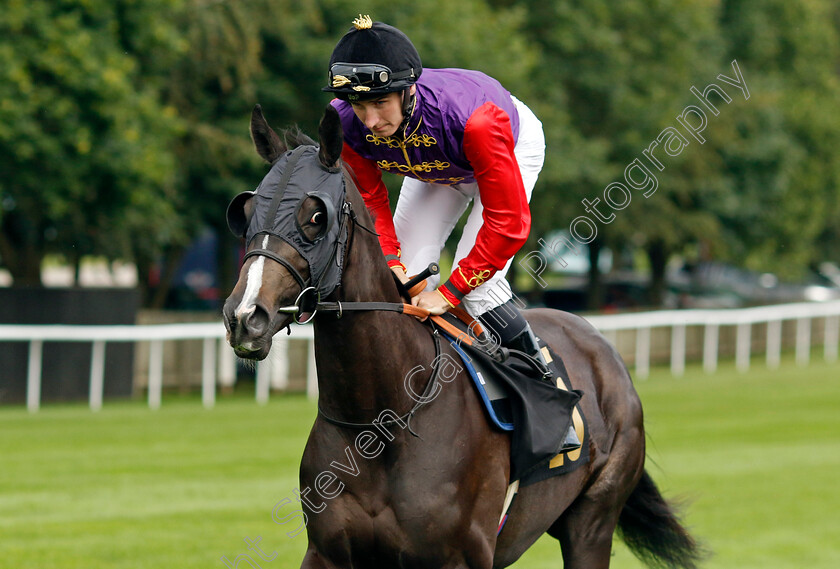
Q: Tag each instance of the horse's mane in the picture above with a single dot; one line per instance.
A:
(294, 137)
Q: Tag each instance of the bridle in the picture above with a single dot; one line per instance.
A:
(309, 300)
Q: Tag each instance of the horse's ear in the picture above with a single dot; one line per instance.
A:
(239, 213)
(332, 139)
(268, 143)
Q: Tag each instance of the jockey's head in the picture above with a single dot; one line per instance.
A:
(371, 60)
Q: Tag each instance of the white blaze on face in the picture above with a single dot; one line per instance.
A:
(253, 285)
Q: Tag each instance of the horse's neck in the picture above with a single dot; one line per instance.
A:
(363, 357)
(366, 276)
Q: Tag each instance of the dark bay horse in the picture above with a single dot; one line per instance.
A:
(374, 494)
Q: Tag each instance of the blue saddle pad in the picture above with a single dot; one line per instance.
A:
(492, 393)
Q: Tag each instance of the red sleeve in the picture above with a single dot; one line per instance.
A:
(375, 194)
(489, 146)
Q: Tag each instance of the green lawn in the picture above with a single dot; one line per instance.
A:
(757, 456)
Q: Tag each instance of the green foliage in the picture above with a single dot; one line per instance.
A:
(782, 160)
(761, 191)
(84, 142)
(123, 125)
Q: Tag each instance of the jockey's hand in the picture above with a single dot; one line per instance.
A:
(432, 301)
(400, 274)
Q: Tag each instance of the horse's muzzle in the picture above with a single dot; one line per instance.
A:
(249, 331)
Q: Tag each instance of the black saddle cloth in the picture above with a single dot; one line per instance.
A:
(541, 412)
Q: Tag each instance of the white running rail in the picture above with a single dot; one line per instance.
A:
(218, 360)
(742, 319)
(219, 363)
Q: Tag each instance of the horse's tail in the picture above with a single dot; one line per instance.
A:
(651, 529)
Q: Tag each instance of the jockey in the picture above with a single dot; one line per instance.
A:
(457, 136)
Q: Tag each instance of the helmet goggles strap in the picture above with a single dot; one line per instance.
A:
(365, 76)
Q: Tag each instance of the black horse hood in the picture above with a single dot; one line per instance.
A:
(296, 175)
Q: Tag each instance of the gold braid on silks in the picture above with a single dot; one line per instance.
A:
(415, 140)
(340, 81)
(409, 168)
(477, 279)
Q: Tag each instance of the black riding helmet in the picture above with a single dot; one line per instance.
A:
(371, 60)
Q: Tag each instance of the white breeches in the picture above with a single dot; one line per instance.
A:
(426, 214)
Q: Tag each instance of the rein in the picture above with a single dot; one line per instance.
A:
(339, 308)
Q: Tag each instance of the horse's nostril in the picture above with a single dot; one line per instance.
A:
(256, 322)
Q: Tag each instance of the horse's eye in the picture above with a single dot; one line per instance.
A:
(317, 217)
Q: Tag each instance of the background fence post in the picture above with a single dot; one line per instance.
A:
(227, 365)
(803, 341)
(155, 373)
(33, 376)
(711, 334)
(678, 350)
(642, 353)
(742, 346)
(97, 375)
(263, 381)
(311, 371)
(208, 373)
(831, 338)
(774, 344)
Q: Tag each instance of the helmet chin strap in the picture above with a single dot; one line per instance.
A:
(408, 102)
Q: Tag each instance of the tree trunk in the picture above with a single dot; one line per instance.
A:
(76, 262)
(25, 267)
(658, 256)
(20, 253)
(595, 287)
(28, 272)
(172, 260)
(143, 265)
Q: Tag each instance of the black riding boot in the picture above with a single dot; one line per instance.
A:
(514, 333)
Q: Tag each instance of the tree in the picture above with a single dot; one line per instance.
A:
(611, 78)
(782, 157)
(82, 140)
(123, 124)
(213, 85)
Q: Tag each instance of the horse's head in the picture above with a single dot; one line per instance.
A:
(294, 228)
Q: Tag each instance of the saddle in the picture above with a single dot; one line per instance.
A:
(537, 413)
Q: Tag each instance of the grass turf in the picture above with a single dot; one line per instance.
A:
(756, 455)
